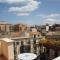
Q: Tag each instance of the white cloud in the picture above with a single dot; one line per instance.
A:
(53, 15)
(14, 1)
(50, 18)
(25, 10)
(50, 21)
(30, 5)
(22, 14)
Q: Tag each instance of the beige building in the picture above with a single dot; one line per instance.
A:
(20, 27)
(5, 27)
(34, 33)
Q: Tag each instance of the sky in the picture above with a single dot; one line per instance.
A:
(32, 12)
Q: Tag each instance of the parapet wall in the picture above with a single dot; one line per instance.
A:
(7, 49)
(0, 48)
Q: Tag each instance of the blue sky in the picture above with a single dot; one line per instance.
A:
(30, 11)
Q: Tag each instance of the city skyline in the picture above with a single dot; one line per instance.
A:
(30, 11)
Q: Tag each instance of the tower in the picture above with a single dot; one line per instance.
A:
(47, 27)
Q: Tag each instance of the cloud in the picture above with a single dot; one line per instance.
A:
(50, 18)
(22, 14)
(25, 10)
(53, 15)
(27, 6)
(50, 21)
(14, 1)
